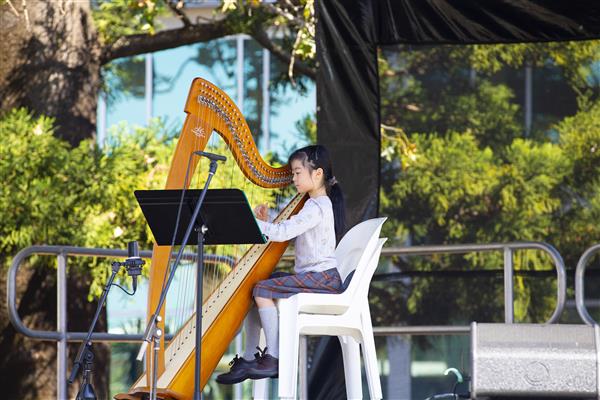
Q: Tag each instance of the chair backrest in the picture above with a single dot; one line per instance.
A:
(359, 286)
(358, 241)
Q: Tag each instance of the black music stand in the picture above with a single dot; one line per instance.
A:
(225, 212)
(224, 217)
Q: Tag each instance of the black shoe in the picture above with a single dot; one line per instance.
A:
(239, 370)
(268, 367)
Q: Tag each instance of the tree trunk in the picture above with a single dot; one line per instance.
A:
(50, 63)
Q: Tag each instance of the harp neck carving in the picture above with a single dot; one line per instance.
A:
(214, 111)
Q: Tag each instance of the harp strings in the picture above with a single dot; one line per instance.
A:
(179, 304)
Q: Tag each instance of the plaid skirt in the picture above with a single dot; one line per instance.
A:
(282, 285)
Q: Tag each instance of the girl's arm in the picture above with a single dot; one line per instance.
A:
(308, 217)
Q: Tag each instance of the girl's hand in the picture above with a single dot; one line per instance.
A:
(262, 212)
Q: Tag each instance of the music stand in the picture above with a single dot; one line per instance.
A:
(222, 210)
(224, 217)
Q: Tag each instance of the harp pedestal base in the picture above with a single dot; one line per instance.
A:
(143, 393)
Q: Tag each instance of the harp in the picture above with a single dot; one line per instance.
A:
(230, 276)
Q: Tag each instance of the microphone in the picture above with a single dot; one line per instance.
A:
(133, 263)
(211, 156)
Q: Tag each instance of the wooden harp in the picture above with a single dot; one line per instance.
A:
(228, 296)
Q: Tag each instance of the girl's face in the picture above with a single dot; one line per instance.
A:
(305, 180)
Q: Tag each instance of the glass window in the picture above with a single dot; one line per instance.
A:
(125, 89)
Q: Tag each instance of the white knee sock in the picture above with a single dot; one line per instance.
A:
(270, 323)
(252, 330)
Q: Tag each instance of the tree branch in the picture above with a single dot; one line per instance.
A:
(290, 16)
(14, 10)
(145, 43)
(132, 45)
(177, 10)
(300, 68)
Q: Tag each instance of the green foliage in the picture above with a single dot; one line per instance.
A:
(439, 89)
(527, 197)
(117, 18)
(573, 58)
(307, 128)
(457, 167)
(456, 192)
(580, 138)
(577, 225)
(300, 16)
(36, 170)
(296, 22)
(305, 46)
(450, 104)
(445, 176)
(83, 196)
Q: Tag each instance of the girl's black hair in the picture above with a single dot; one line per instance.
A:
(317, 156)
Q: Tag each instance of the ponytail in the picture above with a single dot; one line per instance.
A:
(336, 196)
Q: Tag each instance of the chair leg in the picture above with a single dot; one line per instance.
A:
(303, 368)
(260, 387)
(288, 348)
(370, 356)
(351, 355)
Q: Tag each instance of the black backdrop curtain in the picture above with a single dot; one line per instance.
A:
(348, 34)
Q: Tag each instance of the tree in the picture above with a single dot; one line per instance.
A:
(53, 52)
(458, 168)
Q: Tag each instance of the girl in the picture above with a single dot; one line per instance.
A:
(315, 228)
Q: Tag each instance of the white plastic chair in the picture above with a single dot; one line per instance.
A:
(345, 315)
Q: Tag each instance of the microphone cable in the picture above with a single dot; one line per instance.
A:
(177, 220)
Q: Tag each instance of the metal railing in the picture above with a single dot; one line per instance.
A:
(62, 336)
(508, 249)
(579, 284)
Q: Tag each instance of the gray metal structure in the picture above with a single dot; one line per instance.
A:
(61, 335)
(535, 360)
(579, 284)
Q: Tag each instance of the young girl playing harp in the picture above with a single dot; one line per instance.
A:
(315, 229)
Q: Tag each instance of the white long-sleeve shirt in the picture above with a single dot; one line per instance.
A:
(314, 230)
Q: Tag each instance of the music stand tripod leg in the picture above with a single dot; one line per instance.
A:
(151, 329)
(155, 348)
(199, 282)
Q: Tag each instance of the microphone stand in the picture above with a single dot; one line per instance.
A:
(85, 355)
(153, 333)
